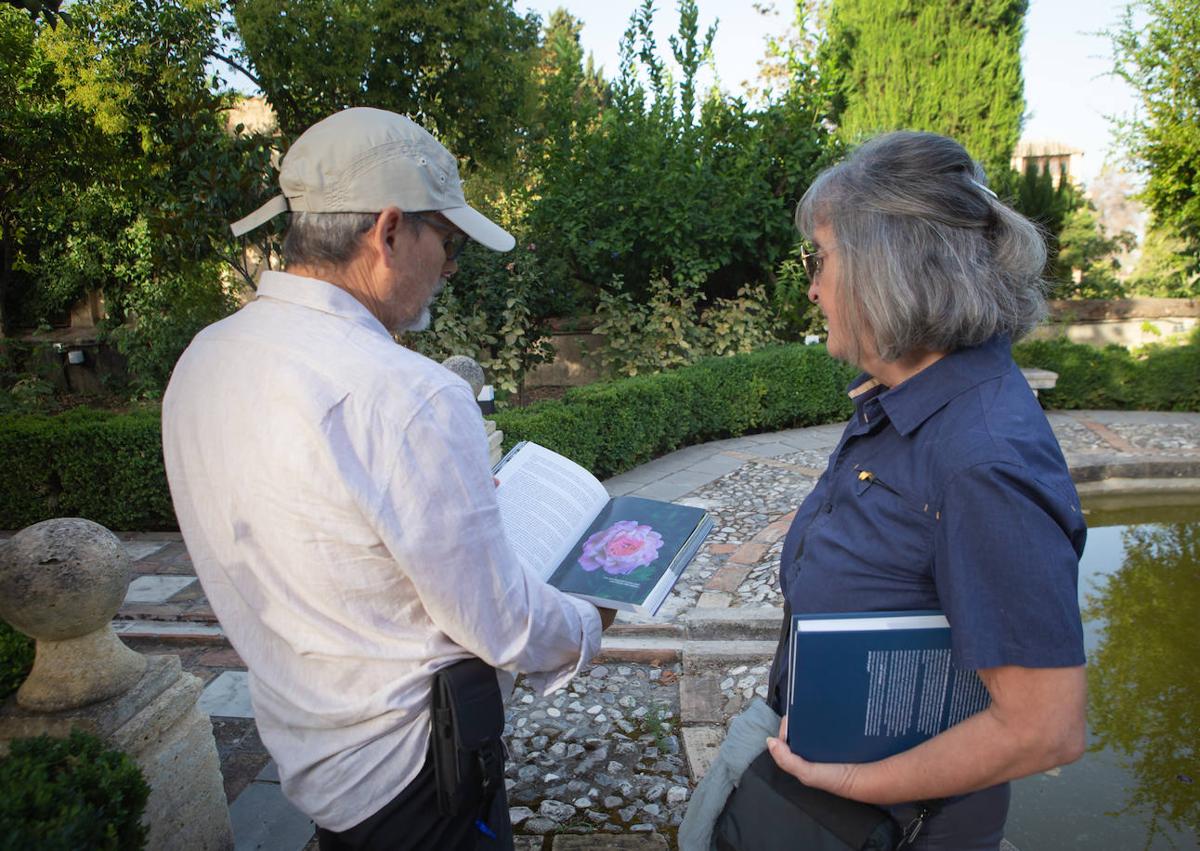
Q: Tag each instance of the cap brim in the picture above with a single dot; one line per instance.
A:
(480, 228)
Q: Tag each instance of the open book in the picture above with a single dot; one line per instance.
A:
(620, 553)
(868, 685)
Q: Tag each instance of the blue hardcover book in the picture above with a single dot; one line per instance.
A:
(865, 686)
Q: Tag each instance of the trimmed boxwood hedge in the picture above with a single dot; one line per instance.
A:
(101, 465)
(108, 467)
(614, 426)
(1155, 378)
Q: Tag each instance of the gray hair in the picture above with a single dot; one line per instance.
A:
(929, 257)
(325, 240)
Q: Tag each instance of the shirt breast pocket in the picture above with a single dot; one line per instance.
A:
(902, 521)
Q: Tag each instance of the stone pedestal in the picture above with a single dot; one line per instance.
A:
(495, 439)
(61, 581)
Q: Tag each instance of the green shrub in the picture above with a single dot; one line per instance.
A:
(104, 466)
(16, 658)
(669, 330)
(1088, 377)
(108, 467)
(648, 334)
(1158, 377)
(67, 794)
(611, 427)
(1169, 376)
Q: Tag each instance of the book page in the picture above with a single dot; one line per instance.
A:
(546, 503)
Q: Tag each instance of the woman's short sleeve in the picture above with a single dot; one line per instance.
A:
(1006, 566)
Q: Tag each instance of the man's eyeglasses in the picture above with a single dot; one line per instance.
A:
(455, 240)
(813, 261)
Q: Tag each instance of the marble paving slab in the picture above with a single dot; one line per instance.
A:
(156, 589)
(228, 696)
(138, 550)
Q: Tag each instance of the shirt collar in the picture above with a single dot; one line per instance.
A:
(315, 294)
(915, 400)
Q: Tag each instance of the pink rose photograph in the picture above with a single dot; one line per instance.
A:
(621, 548)
(626, 549)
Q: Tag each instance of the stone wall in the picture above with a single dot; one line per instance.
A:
(1126, 322)
(570, 367)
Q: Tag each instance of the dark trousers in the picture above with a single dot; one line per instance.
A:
(411, 820)
(973, 823)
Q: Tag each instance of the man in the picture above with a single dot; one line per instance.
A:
(333, 490)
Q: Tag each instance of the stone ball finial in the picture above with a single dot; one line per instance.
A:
(468, 370)
(63, 578)
(61, 582)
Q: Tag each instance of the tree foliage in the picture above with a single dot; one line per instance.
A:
(1165, 268)
(459, 67)
(946, 66)
(47, 10)
(1161, 61)
(1046, 199)
(1087, 264)
(657, 180)
(119, 173)
(44, 150)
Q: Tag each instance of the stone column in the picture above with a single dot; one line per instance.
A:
(471, 372)
(61, 582)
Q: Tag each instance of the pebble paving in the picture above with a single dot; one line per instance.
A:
(1074, 436)
(745, 502)
(602, 755)
(743, 683)
(1166, 438)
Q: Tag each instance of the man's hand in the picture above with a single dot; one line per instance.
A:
(837, 778)
(607, 616)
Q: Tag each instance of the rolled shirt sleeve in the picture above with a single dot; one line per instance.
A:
(1006, 564)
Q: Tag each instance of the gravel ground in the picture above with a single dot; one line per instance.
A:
(1074, 436)
(1164, 438)
(603, 754)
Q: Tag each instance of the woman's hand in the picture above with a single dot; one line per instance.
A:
(834, 777)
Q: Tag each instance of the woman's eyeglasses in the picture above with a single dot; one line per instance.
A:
(812, 260)
(455, 240)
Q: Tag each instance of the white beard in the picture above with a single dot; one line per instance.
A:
(421, 323)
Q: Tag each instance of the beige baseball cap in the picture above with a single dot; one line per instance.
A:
(363, 160)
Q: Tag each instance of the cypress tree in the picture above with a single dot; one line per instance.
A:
(947, 66)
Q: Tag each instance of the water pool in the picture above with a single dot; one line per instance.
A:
(1138, 787)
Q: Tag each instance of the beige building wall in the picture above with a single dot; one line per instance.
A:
(1049, 154)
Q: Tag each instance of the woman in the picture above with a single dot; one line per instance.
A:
(925, 278)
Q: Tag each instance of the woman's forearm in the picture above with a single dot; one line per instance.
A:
(1037, 721)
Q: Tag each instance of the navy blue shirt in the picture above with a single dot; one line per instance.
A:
(948, 492)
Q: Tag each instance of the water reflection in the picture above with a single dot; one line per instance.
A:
(1142, 672)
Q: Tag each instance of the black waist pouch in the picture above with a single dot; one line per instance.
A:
(468, 720)
(772, 811)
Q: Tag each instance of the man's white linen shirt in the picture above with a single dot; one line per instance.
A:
(334, 492)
